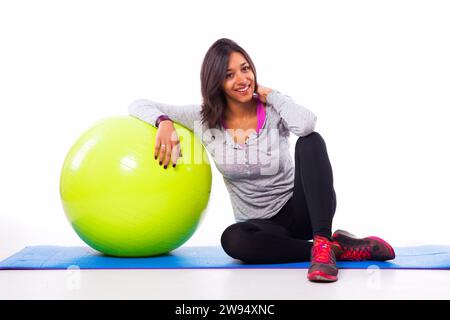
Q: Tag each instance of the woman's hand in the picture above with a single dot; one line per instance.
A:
(263, 92)
(167, 145)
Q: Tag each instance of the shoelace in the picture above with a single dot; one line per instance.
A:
(356, 253)
(322, 253)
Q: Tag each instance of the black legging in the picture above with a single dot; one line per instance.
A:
(284, 237)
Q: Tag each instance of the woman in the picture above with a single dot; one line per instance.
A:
(278, 208)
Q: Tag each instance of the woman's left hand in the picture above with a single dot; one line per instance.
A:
(263, 92)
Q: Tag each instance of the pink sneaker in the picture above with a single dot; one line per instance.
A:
(357, 249)
(323, 261)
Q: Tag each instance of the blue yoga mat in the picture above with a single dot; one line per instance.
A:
(57, 257)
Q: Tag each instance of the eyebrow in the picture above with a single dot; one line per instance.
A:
(240, 66)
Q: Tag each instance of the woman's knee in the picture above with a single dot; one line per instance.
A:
(313, 139)
(233, 237)
(229, 239)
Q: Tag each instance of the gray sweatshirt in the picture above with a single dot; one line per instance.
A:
(259, 175)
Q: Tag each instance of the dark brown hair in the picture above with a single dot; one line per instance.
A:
(212, 74)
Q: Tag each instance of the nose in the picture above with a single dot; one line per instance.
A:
(242, 79)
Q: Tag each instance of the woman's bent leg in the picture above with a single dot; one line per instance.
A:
(314, 198)
(263, 241)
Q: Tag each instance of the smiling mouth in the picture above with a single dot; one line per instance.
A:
(243, 90)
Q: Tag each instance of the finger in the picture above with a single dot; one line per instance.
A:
(162, 152)
(157, 147)
(167, 156)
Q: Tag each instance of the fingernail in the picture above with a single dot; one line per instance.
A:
(165, 167)
(156, 157)
(160, 163)
(174, 165)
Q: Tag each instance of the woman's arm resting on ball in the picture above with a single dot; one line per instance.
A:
(299, 120)
(149, 111)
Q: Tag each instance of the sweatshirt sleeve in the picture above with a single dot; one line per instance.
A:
(149, 111)
(296, 118)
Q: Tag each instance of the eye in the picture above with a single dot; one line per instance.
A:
(228, 76)
(246, 68)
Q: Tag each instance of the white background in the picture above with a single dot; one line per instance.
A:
(376, 73)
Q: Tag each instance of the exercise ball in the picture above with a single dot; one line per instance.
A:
(121, 202)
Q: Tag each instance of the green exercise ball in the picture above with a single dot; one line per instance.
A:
(118, 198)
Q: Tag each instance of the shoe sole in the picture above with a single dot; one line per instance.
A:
(320, 276)
(341, 233)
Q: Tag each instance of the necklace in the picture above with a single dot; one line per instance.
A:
(242, 127)
(241, 130)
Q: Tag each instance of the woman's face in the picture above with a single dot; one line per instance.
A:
(239, 82)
